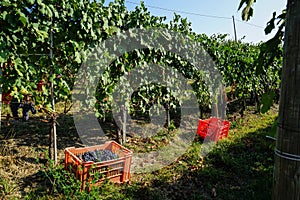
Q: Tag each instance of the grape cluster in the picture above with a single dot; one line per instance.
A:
(99, 155)
(89, 156)
(26, 107)
(104, 155)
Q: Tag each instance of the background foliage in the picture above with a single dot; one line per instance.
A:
(79, 25)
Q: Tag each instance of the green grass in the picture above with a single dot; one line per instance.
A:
(238, 167)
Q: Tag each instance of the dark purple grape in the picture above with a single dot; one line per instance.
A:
(14, 106)
(98, 156)
(26, 108)
(89, 156)
(104, 155)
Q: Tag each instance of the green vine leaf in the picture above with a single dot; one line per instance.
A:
(267, 101)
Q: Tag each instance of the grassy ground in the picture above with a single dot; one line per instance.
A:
(239, 167)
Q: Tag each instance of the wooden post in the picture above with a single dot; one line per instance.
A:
(286, 183)
(124, 111)
(53, 139)
(234, 29)
(0, 95)
(167, 108)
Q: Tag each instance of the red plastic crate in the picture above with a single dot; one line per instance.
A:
(117, 170)
(213, 128)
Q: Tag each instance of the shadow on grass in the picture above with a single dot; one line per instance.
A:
(240, 168)
(35, 132)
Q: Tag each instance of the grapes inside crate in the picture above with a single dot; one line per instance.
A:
(108, 161)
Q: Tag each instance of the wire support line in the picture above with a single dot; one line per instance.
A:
(250, 24)
(180, 11)
(196, 14)
(287, 156)
(32, 54)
